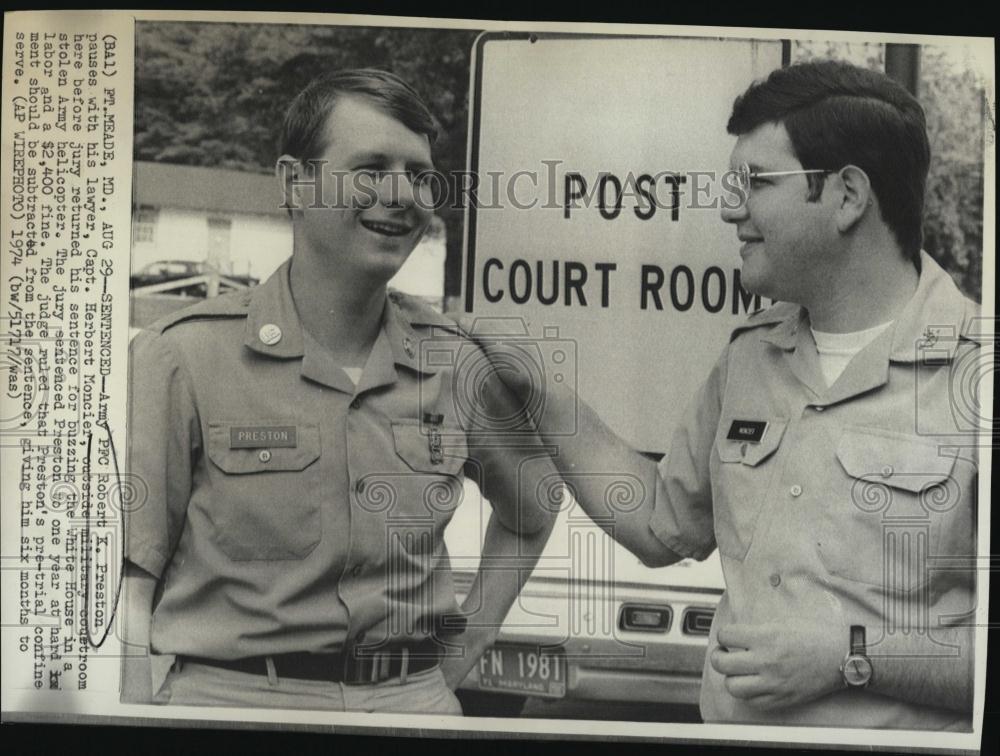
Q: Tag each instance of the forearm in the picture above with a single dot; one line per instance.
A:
(137, 682)
(505, 566)
(933, 669)
(506, 563)
(614, 484)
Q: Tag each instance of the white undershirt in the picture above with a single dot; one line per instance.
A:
(836, 350)
(354, 373)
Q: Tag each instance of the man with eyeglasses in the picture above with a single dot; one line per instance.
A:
(802, 458)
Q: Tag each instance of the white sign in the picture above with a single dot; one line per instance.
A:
(598, 216)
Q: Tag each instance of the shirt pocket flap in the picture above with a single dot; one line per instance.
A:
(750, 452)
(262, 459)
(900, 460)
(438, 449)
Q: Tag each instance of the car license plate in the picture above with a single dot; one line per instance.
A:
(523, 669)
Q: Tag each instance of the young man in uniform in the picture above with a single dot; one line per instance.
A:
(303, 445)
(802, 458)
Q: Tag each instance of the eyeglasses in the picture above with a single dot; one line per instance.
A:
(744, 176)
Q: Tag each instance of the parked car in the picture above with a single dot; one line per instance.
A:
(595, 633)
(165, 271)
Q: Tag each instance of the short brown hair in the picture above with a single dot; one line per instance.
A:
(838, 114)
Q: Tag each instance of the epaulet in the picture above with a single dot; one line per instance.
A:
(233, 305)
(417, 312)
(767, 316)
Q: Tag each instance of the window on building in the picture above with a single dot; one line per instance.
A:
(218, 244)
(144, 224)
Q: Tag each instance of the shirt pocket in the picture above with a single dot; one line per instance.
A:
(429, 489)
(887, 517)
(741, 479)
(265, 504)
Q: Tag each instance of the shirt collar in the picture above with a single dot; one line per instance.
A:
(272, 307)
(934, 316)
(273, 329)
(404, 341)
(784, 335)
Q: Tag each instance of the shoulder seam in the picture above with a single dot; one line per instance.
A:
(214, 309)
(195, 317)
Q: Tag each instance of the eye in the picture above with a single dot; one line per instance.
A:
(421, 177)
(375, 172)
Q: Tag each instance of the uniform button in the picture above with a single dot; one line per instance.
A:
(887, 471)
(743, 450)
(360, 486)
(357, 571)
(356, 403)
(774, 580)
(264, 455)
(795, 490)
(818, 408)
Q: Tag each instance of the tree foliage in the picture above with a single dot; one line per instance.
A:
(954, 103)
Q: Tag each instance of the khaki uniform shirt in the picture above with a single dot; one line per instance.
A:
(287, 510)
(849, 505)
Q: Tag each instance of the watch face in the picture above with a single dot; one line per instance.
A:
(857, 670)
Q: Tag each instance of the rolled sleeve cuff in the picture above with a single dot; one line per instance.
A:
(681, 546)
(147, 557)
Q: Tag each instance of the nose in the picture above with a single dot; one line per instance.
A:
(396, 190)
(733, 208)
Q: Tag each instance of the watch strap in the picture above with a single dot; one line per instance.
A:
(857, 639)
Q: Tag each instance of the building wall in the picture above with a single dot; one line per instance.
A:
(258, 244)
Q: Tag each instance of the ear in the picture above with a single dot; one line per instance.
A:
(288, 172)
(857, 198)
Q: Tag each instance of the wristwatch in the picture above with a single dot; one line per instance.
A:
(857, 667)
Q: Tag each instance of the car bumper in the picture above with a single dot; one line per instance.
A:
(604, 661)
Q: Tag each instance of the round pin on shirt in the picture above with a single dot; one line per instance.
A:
(269, 334)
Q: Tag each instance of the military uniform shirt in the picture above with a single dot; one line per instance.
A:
(287, 510)
(839, 510)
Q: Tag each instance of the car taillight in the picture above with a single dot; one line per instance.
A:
(645, 618)
(698, 621)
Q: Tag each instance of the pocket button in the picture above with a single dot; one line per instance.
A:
(264, 455)
(795, 490)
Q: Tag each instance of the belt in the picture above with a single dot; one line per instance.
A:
(348, 668)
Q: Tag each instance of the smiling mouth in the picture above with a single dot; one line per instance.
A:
(386, 228)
